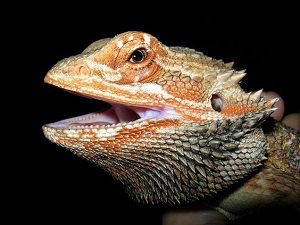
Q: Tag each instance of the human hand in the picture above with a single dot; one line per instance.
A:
(292, 120)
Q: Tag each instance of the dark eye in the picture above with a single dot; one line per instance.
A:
(138, 56)
(216, 102)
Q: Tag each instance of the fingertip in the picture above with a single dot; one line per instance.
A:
(292, 120)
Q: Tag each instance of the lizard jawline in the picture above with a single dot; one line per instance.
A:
(116, 115)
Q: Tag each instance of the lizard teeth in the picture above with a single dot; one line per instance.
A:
(117, 115)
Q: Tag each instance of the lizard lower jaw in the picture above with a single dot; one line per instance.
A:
(116, 115)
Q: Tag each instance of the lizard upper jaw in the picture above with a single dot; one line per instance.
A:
(116, 115)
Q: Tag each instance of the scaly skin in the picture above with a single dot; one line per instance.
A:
(180, 128)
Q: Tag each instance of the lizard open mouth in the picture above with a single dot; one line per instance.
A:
(116, 115)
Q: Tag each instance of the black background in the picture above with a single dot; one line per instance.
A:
(52, 184)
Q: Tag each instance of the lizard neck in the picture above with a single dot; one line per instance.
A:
(283, 152)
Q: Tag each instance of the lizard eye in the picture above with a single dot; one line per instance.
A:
(138, 55)
(216, 103)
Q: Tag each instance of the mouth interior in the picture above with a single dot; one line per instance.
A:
(117, 114)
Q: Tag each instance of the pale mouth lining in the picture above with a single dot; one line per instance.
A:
(116, 115)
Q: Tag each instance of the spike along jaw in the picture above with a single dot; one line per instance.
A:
(179, 129)
(214, 147)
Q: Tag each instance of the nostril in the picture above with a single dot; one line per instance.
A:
(216, 102)
(83, 70)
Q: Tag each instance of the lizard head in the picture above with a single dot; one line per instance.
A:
(179, 128)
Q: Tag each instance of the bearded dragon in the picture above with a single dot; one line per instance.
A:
(180, 127)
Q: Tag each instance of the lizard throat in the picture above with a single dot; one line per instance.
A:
(116, 115)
